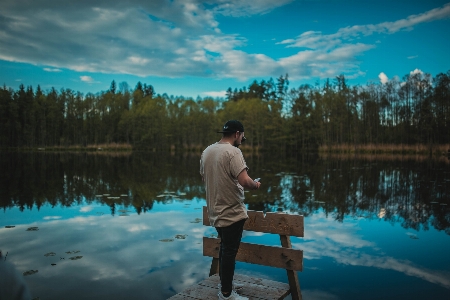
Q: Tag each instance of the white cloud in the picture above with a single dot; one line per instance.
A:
(247, 7)
(52, 217)
(86, 209)
(383, 78)
(174, 39)
(52, 70)
(87, 79)
(215, 94)
(327, 51)
(416, 71)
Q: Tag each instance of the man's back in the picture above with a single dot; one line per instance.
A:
(220, 165)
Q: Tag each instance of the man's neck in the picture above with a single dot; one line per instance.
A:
(226, 140)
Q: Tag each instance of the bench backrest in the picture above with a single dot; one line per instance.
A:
(281, 257)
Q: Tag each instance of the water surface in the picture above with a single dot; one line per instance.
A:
(129, 226)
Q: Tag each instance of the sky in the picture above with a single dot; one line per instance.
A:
(196, 48)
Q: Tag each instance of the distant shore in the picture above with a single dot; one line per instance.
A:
(396, 149)
(392, 149)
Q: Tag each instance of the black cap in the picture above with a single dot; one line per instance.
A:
(232, 126)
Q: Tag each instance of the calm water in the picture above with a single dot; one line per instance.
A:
(374, 228)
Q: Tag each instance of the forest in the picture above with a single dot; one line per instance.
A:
(408, 111)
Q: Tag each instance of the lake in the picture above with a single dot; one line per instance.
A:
(128, 226)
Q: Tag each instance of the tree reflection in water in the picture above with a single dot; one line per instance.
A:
(412, 191)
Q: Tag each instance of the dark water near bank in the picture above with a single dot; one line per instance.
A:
(128, 226)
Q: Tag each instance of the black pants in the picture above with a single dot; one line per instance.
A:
(229, 246)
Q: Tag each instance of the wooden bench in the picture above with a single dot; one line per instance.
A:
(281, 257)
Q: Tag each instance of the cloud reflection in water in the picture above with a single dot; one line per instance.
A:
(122, 256)
(342, 242)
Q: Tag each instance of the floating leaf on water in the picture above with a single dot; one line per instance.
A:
(30, 272)
(412, 236)
(197, 220)
(33, 229)
(181, 236)
(68, 252)
(166, 240)
(75, 257)
(50, 254)
(10, 226)
(53, 264)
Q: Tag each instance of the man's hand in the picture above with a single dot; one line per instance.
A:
(247, 182)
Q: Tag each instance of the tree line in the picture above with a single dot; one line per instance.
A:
(413, 110)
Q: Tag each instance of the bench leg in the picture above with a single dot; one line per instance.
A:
(214, 267)
(292, 275)
(294, 285)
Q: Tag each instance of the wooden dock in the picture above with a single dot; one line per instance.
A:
(255, 288)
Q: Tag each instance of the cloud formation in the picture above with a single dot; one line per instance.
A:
(347, 247)
(85, 78)
(52, 70)
(383, 78)
(175, 39)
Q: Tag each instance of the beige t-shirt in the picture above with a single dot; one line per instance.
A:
(220, 166)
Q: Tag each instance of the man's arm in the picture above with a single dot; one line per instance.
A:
(247, 182)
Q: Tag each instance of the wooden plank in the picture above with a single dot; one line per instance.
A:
(292, 275)
(261, 281)
(255, 288)
(197, 291)
(278, 223)
(290, 259)
(245, 279)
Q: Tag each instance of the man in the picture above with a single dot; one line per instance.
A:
(224, 172)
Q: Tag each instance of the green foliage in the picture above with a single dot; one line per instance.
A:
(416, 110)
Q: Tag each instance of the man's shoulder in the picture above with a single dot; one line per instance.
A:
(223, 148)
(210, 147)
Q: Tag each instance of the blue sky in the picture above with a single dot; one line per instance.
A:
(200, 48)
